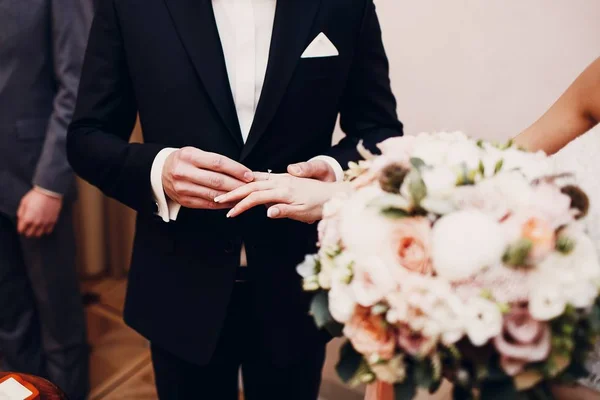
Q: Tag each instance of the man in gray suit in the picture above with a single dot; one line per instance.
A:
(42, 323)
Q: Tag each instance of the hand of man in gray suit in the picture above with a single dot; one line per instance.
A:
(38, 213)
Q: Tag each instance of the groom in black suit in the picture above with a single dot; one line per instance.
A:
(223, 88)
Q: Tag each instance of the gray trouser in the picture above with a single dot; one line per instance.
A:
(42, 322)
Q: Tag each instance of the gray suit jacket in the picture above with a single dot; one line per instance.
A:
(42, 44)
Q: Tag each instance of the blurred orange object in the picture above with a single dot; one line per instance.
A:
(14, 381)
(40, 388)
(380, 391)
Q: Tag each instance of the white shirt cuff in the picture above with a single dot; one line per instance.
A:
(167, 208)
(337, 168)
(47, 192)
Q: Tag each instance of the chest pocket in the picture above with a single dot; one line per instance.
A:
(319, 68)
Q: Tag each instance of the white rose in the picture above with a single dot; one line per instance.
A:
(483, 320)
(532, 165)
(341, 303)
(465, 242)
(546, 301)
(439, 181)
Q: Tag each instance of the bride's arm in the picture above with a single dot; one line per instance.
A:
(285, 196)
(575, 112)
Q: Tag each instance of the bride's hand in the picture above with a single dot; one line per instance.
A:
(286, 196)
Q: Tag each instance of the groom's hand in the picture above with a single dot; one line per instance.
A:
(193, 178)
(314, 169)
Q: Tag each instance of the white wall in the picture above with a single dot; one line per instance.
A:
(487, 67)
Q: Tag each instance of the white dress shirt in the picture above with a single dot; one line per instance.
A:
(245, 28)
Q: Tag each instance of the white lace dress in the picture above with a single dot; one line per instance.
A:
(582, 156)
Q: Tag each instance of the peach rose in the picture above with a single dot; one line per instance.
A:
(412, 240)
(370, 335)
(541, 235)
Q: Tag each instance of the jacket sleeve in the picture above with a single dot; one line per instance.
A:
(368, 107)
(98, 141)
(70, 22)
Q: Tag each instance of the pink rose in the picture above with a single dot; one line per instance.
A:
(411, 238)
(414, 343)
(370, 335)
(523, 340)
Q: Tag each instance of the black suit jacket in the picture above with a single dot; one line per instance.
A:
(163, 59)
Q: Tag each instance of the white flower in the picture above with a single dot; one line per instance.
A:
(343, 271)
(341, 303)
(392, 371)
(440, 183)
(373, 280)
(574, 276)
(532, 165)
(546, 301)
(324, 280)
(465, 242)
(496, 196)
(483, 320)
(308, 267)
(446, 148)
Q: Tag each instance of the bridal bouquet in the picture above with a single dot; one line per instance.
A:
(458, 259)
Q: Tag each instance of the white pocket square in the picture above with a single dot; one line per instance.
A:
(321, 46)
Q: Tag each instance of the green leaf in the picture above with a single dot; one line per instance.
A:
(334, 328)
(424, 374)
(405, 390)
(395, 213)
(498, 166)
(481, 168)
(349, 362)
(498, 390)
(319, 309)
(417, 163)
(416, 186)
(517, 253)
(594, 319)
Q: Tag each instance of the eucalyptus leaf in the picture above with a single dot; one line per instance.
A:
(424, 374)
(416, 186)
(594, 318)
(349, 362)
(417, 163)
(319, 309)
(395, 213)
(406, 390)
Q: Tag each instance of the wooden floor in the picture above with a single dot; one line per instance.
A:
(120, 359)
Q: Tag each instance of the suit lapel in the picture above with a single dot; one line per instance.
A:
(293, 22)
(195, 23)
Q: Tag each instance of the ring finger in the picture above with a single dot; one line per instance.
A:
(258, 198)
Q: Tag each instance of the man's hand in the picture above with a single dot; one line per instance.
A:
(37, 214)
(314, 169)
(193, 178)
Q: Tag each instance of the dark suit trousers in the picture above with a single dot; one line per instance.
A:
(239, 345)
(42, 322)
